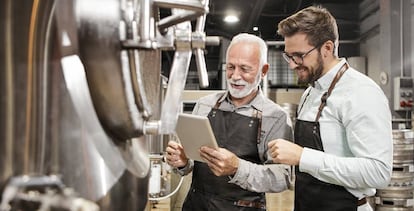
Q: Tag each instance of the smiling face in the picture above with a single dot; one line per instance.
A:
(242, 70)
(312, 67)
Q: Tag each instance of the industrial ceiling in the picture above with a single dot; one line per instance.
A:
(266, 14)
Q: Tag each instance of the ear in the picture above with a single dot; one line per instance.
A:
(265, 68)
(328, 48)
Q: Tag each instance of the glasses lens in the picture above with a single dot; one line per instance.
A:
(286, 57)
(296, 59)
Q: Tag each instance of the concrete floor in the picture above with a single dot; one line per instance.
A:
(280, 201)
(275, 201)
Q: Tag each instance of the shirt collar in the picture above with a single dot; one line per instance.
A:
(325, 81)
(256, 103)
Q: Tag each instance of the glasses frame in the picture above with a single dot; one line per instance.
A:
(297, 58)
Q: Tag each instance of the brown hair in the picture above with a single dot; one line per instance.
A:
(314, 21)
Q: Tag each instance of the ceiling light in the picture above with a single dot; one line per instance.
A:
(255, 28)
(231, 19)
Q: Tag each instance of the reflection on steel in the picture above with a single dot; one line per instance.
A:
(45, 193)
(83, 96)
(134, 153)
(111, 163)
(199, 53)
(118, 41)
(194, 10)
(130, 57)
(107, 67)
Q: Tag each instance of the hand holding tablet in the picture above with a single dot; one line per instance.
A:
(194, 132)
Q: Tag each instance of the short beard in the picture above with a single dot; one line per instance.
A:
(315, 74)
(248, 89)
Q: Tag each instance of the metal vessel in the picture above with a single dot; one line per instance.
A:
(80, 96)
(399, 193)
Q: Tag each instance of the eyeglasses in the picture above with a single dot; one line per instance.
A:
(297, 57)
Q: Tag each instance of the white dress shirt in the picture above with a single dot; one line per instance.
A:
(356, 133)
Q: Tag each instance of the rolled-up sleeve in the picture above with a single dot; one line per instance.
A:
(262, 178)
(267, 177)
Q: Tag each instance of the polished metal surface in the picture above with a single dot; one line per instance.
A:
(108, 67)
(400, 191)
(403, 146)
(24, 104)
(102, 151)
(80, 94)
(42, 192)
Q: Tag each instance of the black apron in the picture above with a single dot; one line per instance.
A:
(238, 134)
(310, 193)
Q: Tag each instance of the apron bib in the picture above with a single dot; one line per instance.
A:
(310, 193)
(239, 134)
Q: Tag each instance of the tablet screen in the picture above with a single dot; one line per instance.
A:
(194, 131)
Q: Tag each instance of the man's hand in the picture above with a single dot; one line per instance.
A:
(221, 161)
(175, 155)
(285, 152)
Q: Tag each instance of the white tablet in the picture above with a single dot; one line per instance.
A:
(194, 131)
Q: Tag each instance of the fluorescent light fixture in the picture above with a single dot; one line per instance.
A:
(231, 19)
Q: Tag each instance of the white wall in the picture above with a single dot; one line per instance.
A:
(371, 49)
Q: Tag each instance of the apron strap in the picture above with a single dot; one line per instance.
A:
(258, 114)
(216, 106)
(331, 87)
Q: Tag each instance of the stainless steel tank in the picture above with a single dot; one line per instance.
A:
(80, 90)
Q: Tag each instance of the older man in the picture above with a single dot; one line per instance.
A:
(244, 121)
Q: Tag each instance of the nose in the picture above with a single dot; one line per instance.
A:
(236, 73)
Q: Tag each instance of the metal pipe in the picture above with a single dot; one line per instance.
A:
(199, 52)
(145, 21)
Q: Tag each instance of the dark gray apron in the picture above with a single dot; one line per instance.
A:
(312, 194)
(239, 134)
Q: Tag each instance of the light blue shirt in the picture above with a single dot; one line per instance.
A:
(276, 123)
(356, 133)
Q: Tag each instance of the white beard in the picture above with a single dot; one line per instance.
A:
(248, 87)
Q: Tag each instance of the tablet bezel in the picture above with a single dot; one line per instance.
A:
(193, 132)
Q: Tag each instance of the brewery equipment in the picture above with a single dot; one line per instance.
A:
(399, 193)
(81, 95)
